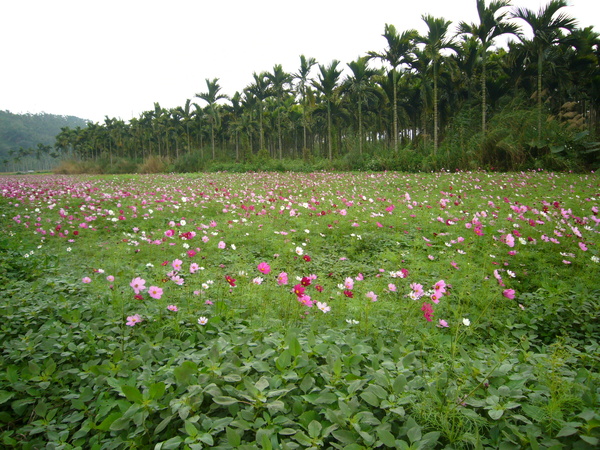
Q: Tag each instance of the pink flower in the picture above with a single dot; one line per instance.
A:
(138, 285)
(202, 321)
(392, 287)
(349, 283)
(582, 246)
(172, 308)
(155, 292)
(263, 267)
(440, 287)
(443, 324)
(282, 279)
(194, 267)
(510, 240)
(360, 277)
(306, 300)
(323, 307)
(86, 280)
(222, 245)
(509, 293)
(177, 264)
(132, 320)
(110, 278)
(371, 296)
(258, 280)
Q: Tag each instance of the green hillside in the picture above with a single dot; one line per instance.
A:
(21, 134)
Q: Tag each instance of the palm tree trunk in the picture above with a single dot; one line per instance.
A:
(539, 96)
(329, 130)
(435, 109)
(395, 112)
(483, 98)
(360, 139)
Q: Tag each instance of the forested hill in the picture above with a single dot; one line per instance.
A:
(26, 131)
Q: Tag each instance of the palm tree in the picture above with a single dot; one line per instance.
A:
(326, 84)
(302, 76)
(211, 97)
(435, 41)
(492, 23)
(279, 79)
(359, 84)
(547, 26)
(399, 51)
(259, 89)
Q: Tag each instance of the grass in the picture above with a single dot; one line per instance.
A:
(270, 368)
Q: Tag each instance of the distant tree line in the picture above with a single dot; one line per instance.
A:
(448, 97)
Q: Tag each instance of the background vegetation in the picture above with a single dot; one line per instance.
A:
(449, 98)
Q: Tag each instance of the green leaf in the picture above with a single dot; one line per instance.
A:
(314, 429)
(190, 429)
(283, 360)
(370, 398)
(496, 413)
(414, 434)
(233, 437)
(163, 424)
(6, 396)
(224, 400)
(185, 371)
(387, 438)
(157, 390)
(106, 423)
(132, 394)
(294, 346)
(120, 424)
(567, 430)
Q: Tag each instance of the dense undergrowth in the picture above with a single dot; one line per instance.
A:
(263, 372)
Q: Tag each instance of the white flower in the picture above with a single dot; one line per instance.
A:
(299, 251)
(352, 322)
(595, 259)
(68, 249)
(233, 247)
(202, 321)
(182, 222)
(466, 322)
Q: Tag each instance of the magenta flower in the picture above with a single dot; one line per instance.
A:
(263, 267)
(509, 293)
(427, 311)
(86, 280)
(172, 308)
(155, 292)
(138, 285)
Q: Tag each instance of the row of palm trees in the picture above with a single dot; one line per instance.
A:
(407, 93)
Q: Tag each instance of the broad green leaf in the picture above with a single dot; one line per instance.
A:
(132, 394)
(283, 360)
(6, 396)
(294, 346)
(224, 400)
(190, 429)
(314, 429)
(157, 390)
(184, 372)
(496, 413)
(234, 437)
(387, 438)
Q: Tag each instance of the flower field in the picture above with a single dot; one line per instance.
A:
(283, 310)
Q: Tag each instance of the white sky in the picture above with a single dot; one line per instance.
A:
(92, 58)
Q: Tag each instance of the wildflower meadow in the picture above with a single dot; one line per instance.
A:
(288, 310)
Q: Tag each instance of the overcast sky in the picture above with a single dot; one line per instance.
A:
(115, 58)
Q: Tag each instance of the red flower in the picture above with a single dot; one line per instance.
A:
(305, 281)
(298, 290)
(319, 288)
(164, 263)
(230, 280)
(138, 297)
(348, 293)
(306, 258)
